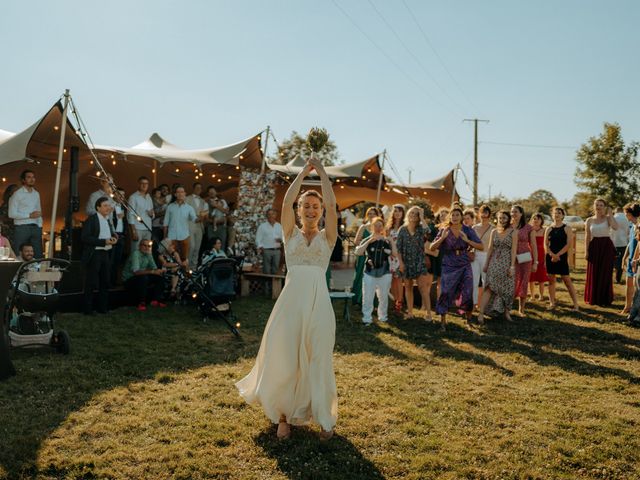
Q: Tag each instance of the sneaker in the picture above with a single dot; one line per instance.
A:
(141, 307)
(367, 322)
(156, 303)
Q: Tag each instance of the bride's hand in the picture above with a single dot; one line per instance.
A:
(316, 163)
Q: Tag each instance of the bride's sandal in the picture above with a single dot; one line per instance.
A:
(324, 435)
(284, 430)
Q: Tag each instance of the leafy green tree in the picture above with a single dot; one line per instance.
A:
(540, 201)
(296, 145)
(608, 168)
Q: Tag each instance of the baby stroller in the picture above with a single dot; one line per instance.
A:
(32, 304)
(213, 287)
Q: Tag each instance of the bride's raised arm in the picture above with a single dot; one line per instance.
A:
(288, 216)
(330, 216)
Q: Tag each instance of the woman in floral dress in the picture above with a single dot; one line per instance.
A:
(411, 248)
(500, 267)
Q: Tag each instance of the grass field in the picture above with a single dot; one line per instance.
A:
(151, 395)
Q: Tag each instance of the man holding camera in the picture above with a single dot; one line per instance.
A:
(98, 238)
(217, 223)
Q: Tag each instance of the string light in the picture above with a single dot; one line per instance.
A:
(64, 150)
(91, 162)
(355, 181)
(238, 325)
(177, 170)
(337, 180)
(229, 177)
(153, 170)
(194, 295)
(363, 177)
(237, 167)
(98, 173)
(219, 180)
(213, 175)
(4, 179)
(113, 156)
(114, 162)
(55, 162)
(55, 127)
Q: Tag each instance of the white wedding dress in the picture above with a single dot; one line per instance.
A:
(293, 374)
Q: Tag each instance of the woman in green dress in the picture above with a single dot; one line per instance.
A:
(363, 233)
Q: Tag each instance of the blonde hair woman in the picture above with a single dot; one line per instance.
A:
(363, 233)
(411, 247)
(293, 377)
(600, 255)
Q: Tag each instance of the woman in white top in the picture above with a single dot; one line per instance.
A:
(600, 255)
(293, 378)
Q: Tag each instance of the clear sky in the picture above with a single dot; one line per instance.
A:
(376, 74)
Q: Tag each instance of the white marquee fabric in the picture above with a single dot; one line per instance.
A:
(157, 148)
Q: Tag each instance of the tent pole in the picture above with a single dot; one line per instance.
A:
(384, 156)
(264, 152)
(455, 179)
(56, 191)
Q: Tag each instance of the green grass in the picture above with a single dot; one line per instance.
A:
(151, 395)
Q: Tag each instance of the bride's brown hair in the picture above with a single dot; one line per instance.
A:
(309, 193)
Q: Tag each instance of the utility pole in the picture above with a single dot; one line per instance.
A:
(475, 156)
(410, 170)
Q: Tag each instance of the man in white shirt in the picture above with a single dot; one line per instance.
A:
(105, 191)
(140, 214)
(176, 222)
(620, 239)
(26, 212)
(196, 229)
(268, 241)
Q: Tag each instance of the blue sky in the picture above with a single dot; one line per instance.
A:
(207, 73)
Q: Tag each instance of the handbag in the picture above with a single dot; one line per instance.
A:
(524, 257)
(394, 264)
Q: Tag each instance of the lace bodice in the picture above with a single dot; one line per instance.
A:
(317, 254)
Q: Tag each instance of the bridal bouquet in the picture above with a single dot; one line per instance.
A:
(316, 140)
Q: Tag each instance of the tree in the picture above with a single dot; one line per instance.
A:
(296, 145)
(608, 168)
(582, 204)
(541, 201)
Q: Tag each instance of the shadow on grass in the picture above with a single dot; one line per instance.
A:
(107, 352)
(304, 456)
(533, 337)
(428, 335)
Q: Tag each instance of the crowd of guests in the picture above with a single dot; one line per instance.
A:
(474, 260)
(141, 240)
(493, 264)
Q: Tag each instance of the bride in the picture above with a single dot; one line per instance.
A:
(293, 376)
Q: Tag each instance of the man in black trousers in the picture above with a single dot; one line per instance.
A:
(98, 239)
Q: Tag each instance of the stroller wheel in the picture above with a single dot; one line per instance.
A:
(63, 342)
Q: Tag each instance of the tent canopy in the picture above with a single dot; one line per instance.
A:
(36, 148)
(158, 149)
(440, 192)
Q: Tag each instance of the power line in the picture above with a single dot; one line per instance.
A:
(433, 49)
(388, 57)
(404, 45)
(529, 145)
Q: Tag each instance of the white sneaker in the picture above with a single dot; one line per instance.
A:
(367, 322)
